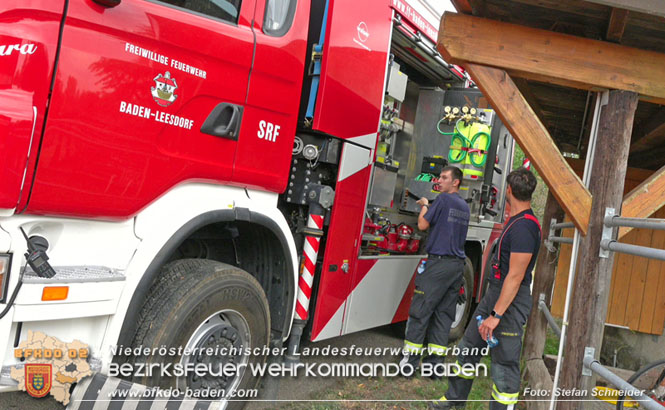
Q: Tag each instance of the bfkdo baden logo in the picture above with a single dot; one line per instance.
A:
(50, 366)
(38, 379)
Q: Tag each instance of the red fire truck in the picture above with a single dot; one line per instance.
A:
(188, 172)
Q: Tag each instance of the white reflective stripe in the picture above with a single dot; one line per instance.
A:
(462, 375)
(309, 253)
(367, 140)
(504, 398)
(354, 159)
(307, 277)
(437, 350)
(333, 327)
(311, 222)
(304, 300)
(412, 347)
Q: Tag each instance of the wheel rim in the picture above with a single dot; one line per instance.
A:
(221, 331)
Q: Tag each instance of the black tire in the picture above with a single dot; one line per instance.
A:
(204, 303)
(463, 310)
(651, 379)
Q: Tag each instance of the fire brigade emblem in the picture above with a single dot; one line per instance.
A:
(163, 90)
(38, 379)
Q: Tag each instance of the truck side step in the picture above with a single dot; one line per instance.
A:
(76, 274)
(102, 393)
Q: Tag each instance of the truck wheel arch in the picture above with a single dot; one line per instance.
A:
(184, 232)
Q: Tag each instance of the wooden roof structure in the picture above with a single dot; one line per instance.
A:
(567, 111)
(540, 63)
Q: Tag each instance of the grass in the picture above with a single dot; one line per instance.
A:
(343, 393)
(552, 341)
(419, 389)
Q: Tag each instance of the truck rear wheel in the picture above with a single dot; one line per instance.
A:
(216, 312)
(463, 310)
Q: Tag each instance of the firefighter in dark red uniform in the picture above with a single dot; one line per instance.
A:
(434, 300)
(506, 305)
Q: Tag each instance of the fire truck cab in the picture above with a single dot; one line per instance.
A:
(164, 156)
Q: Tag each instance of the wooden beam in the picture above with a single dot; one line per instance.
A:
(654, 7)
(645, 199)
(617, 25)
(532, 136)
(652, 128)
(462, 6)
(556, 58)
(539, 379)
(588, 309)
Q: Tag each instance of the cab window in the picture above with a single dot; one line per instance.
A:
(278, 17)
(227, 10)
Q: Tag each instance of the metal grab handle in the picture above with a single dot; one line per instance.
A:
(644, 251)
(224, 121)
(542, 306)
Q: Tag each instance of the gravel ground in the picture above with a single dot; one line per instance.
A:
(301, 389)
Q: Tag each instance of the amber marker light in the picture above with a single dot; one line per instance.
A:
(55, 293)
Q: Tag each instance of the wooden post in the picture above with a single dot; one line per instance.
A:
(537, 375)
(588, 310)
(535, 141)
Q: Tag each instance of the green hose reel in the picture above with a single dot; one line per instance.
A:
(469, 143)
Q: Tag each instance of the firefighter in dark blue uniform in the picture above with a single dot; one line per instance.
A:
(506, 305)
(437, 288)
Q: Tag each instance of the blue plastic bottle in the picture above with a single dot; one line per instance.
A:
(421, 267)
(490, 342)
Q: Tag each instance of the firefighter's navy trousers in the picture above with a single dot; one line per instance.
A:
(505, 367)
(433, 305)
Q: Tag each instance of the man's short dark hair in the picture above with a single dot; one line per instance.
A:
(455, 173)
(522, 182)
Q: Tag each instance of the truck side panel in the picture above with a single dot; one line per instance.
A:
(264, 150)
(135, 83)
(353, 69)
(28, 45)
(343, 239)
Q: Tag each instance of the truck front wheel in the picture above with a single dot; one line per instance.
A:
(207, 315)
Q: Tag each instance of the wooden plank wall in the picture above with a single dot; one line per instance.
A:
(637, 293)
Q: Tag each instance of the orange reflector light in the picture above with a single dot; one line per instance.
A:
(55, 293)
